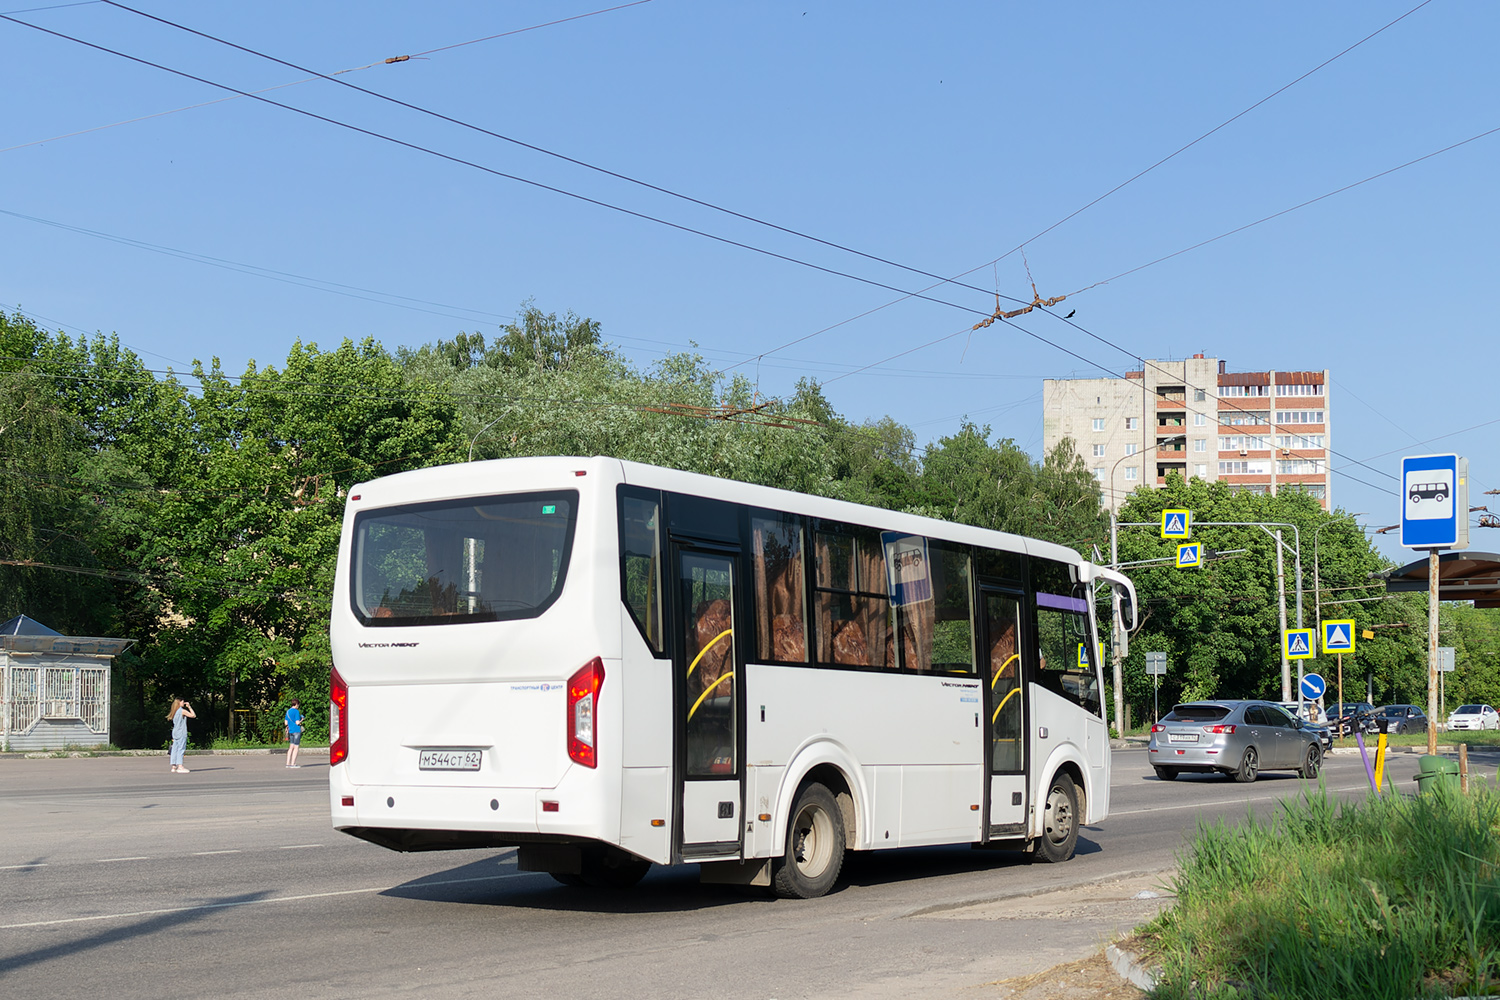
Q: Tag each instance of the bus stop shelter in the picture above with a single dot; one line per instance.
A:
(54, 688)
(1462, 576)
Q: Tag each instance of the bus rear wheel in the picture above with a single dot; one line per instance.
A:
(814, 846)
(1059, 821)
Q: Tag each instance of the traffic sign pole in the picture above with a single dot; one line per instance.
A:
(1432, 646)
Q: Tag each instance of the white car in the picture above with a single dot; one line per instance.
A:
(1474, 717)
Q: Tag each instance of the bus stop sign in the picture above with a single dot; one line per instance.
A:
(1435, 502)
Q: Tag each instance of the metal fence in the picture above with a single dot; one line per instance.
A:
(43, 692)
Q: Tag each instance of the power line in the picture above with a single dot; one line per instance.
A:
(256, 270)
(497, 173)
(548, 152)
(295, 83)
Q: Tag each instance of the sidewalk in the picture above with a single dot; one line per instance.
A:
(249, 751)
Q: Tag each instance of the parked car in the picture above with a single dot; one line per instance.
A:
(1474, 717)
(1350, 717)
(1313, 719)
(1400, 719)
(1236, 738)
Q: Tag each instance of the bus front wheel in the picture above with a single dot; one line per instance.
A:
(1060, 821)
(814, 846)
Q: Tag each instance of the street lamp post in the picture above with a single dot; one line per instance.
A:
(1117, 626)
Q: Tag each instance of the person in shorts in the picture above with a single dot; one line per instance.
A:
(293, 732)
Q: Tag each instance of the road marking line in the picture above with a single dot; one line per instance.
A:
(297, 847)
(251, 902)
(200, 854)
(1201, 805)
(101, 861)
(39, 864)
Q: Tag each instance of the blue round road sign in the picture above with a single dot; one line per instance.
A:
(1313, 686)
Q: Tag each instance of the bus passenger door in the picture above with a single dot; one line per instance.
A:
(1005, 707)
(707, 694)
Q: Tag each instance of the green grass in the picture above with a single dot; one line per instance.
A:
(1390, 898)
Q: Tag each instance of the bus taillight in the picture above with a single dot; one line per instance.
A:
(338, 719)
(583, 696)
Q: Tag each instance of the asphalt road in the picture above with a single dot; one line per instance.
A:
(120, 879)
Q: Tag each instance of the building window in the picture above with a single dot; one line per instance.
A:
(1099, 473)
(1198, 395)
(1130, 448)
(1200, 420)
(1098, 423)
(1201, 470)
(1237, 417)
(1315, 490)
(1299, 416)
(1131, 473)
(1299, 440)
(1200, 444)
(1251, 468)
(1244, 390)
(1299, 390)
(1244, 442)
(1098, 451)
(1132, 423)
(1300, 467)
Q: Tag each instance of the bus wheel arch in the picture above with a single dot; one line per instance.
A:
(827, 764)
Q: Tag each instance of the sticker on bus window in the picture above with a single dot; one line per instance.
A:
(549, 508)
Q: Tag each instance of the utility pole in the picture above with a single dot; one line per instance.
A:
(1286, 665)
(1118, 627)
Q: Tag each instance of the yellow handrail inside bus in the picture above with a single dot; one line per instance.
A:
(1013, 656)
(1014, 691)
(694, 665)
(715, 684)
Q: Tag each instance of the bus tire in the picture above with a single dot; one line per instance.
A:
(1059, 821)
(573, 881)
(814, 846)
(612, 868)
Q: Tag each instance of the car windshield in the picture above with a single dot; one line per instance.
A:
(1467, 710)
(1196, 713)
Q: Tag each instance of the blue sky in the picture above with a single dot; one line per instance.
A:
(939, 135)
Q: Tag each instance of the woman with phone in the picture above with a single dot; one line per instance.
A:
(182, 710)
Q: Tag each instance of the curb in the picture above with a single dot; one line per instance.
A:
(248, 752)
(1130, 970)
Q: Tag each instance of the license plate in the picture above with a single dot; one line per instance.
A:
(1182, 737)
(449, 760)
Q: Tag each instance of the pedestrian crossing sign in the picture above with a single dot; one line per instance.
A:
(1338, 637)
(1177, 524)
(1190, 555)
(1083, 656)
(1298, 644)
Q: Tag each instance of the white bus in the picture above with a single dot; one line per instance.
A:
(608, 665)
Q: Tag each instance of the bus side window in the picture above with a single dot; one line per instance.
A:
(779, 604)
(937, 632)
(852, 606)
(1066, 660)
(640, 554)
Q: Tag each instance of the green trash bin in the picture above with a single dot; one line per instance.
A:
(1436, 773)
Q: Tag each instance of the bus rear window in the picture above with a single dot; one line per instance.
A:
(449, 562)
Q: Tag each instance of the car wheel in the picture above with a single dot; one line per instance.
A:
(1249, 766)
(1060, 821)
(1166, 773)
(1311, 762)
(814, 846)
(1401, 729)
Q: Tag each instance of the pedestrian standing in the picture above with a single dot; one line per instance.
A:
(182, 710)
(293, 732)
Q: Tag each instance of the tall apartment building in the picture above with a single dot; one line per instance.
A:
(1257, 431)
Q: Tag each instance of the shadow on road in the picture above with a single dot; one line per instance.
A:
(494, 881)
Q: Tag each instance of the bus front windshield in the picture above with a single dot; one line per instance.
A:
(486, 559)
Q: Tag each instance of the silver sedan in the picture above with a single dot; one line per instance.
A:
(1237, 738)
